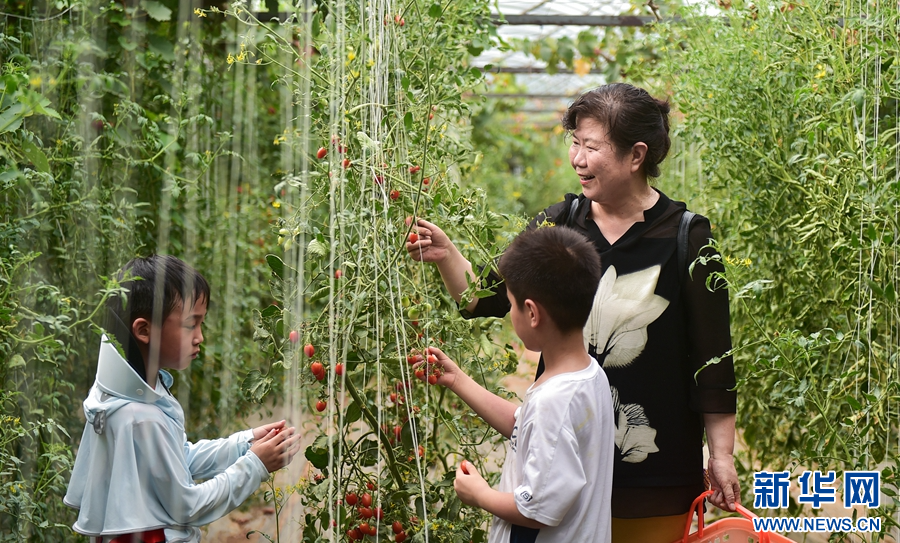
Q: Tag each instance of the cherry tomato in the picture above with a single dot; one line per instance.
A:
(351, 498)
(294, 336)
(317, 368)
(370, 486)
(432, 359)
(339, 369)
(309, 350)
(393, 397)
(398, 431)
(400, 538)
(413, 237)
(379, 179)
(464, 466)
(420, 373)
(354, 534)
(338, 274)
(432, 379)
(426, 181)
(364, 527)
(421, 450)
(395, 194)
(373, 530)
(366, 500)
(320, 154)
(411, 359)
(346, 163)
(397, 527)
(365, 512)
(321, 405)
(414, 169)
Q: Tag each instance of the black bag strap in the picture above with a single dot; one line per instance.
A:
(573, 211)
(681, 242)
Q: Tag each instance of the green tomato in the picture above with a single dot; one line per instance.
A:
(413, 313)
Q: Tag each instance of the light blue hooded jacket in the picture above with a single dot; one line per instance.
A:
(135, 468)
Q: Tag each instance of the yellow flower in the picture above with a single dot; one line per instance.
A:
(351, 55)
(230, 59)
(199, 12)
(276, 204)
(259, 61)
(35, 81)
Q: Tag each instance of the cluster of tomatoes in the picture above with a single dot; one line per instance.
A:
(430, 371)
(366, 512)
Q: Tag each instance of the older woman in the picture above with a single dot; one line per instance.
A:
(653, 325)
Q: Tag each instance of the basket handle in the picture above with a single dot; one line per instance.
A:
(697, 507)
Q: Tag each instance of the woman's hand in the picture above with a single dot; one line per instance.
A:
(469, 484)
(276, 448)
(723, 481)
(432, 245)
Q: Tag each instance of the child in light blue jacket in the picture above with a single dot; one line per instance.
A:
(135, 471)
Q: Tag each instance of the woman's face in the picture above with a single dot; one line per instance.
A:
(603, 174)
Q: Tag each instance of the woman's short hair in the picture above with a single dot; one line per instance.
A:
(630, 115)
(557, 268)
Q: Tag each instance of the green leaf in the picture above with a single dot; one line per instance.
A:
(156, 10)
(854, 403)
(11, 119)
(353, 413)
(271, 311)
(162, 47)
(276, 264)
(408, 120)
(16, 361)
(317, 456)
(435, 10)
(127, 44)
(37, 157)
(256, 385)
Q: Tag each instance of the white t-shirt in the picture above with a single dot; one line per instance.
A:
(559, 459)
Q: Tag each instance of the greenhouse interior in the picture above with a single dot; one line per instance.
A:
(257, 257)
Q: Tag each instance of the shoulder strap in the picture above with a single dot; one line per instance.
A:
(684, 228)
(573, 211)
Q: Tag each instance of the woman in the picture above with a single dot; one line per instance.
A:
(652, 327)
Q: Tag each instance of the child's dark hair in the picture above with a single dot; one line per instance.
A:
(557, 268)
(155, 285)
(630, 115)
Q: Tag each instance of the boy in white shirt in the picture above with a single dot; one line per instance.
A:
(557, 477)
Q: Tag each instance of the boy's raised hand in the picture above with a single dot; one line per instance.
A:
(277, 447)
(438, 364)
(469, 484)
(261, 431)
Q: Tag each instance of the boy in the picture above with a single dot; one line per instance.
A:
(133, 479)
(557, 477)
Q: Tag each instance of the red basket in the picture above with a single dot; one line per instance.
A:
(727, 530)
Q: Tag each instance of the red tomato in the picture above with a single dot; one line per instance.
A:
(426, 181)
(411, 359)
(309, 350)
(379, 179)
(393, 397)
(339, 369)
(321, 405)
(294, 336)
(320, 376)
(465, 467)
(370, 486)
(397, 527)
(354, 534)
(408, 221)
(432, 379)
(413, 237)
(395, 194)
(366, 500)
(414, 169)
(421, 450)
(373, 530)
(400, 538)
(338, 274)
(432, 359)
(320, 154)
(346, 163)
(420, 373)
(317, 368)
(364, 527)
(351, 498)
(398, 431)
(365, 512)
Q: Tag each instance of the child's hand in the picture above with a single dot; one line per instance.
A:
(469, 484)
(437, 367)
(277, 448)
(264, 429)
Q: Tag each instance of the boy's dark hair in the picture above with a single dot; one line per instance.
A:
(155, 285)
(557, 268)
(630, 115)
